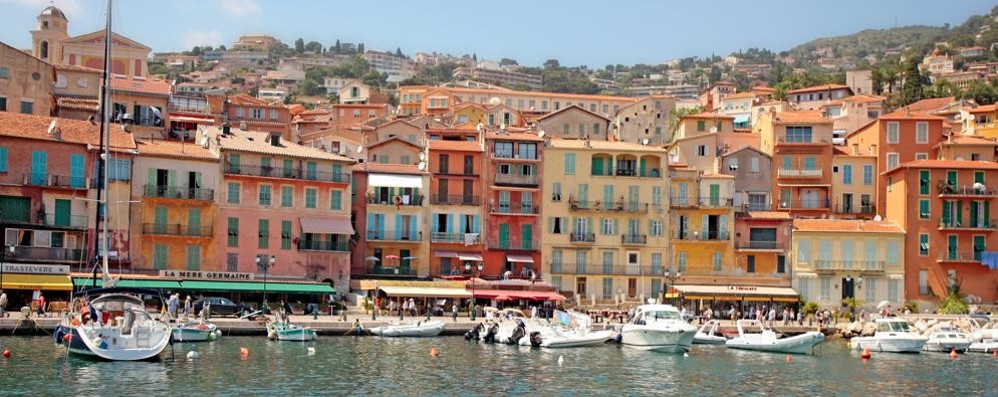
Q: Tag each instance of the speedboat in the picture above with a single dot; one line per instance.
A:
(893, 335)
(505, 324)
(278, 330)
(195, 332)
(414, 329)
(983, 346)
(658, 328)
(114, 326)
(768, 341)
(707, 334)
(947, 339)
(572, 329)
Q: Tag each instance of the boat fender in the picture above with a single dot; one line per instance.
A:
(67, 338)
(6, 353)
(243, 351)
(193, 355)
(619, 338)
(686, 354)
(561, 360)
(213, 335)
(311, 351)
(866, 353)
(790, 358)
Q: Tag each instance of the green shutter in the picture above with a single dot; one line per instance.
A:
(336, 199)
(263, 233)
(597, 166)
(3, 159)
(946, 211)
(194, 221)
(979, 177)
(285, 234)
(233, 232)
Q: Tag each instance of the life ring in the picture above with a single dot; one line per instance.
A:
(397, 200)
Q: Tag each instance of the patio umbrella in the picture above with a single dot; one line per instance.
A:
(882, 304)
(503, 298)
(372, 258)
(409, 258)
(391, 256)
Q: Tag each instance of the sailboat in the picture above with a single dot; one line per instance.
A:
(110, 322)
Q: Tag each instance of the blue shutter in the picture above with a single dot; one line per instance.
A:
(76, 167)
(450, 223)
(477, 228)
(413, 232)
(371, 226)
(398, 226)
(381, 225)
(436, 223)
(464, 223)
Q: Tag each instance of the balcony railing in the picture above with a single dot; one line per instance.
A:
(396, 201)
(176, 229)
(394, 235)
(683, 201)
(178, 192)
(327, 245)
(391, 271)
(516, 179)
(646, 173)
(582, 237)
(602, 269)
(798, 173)
(515, 209)
(463, 238)
(61, 181)
(515, 244)
(445, 199)
(855, 209)
(710, 235)
(288, 173)
(817, 204)
(811, 141)
(833, 265)
(960, 256)
(499, 154)
(716, 202)
(972, 191)
(68, 221)
(634, 239)
(22, 252)
(981, 225)
(759, 245)
(756, 207)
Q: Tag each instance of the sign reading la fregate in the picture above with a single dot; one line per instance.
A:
(196, 274)
(35, 269)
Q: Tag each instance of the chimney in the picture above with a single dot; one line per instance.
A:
(226, 129)
(907, 112)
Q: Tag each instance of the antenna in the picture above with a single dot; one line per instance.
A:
(421, 166)
(541, 134)
(360, 149)
(422, 156)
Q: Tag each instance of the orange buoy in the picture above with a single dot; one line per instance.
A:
(952, 354)
(67, 337)
(243, 351)
(434, 352)
(6, 353)
(996, 354)
(789, 358)
(866, 353)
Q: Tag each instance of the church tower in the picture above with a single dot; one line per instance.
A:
(46, 41)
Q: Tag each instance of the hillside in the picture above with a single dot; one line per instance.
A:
(857, 46)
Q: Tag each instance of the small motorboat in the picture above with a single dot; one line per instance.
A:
(983, 346)
(574, 338)
(427, 328)
(707, 334)
(195, 332)
(658, 328)
(893, 335)
(572, 329)
(281, 331)
(768, 341)
(947, 339)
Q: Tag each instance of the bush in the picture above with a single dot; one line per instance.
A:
(810, 308)
(912, 306)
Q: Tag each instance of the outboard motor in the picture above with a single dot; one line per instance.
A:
(619, 338)
(518, 333)
(535, 339)
(490, 336)
(474, 333)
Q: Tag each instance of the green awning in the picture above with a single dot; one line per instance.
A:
(288, 288)
(133, 283)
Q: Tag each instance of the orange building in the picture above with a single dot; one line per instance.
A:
(456, 189)
(801, 146)
(257, 115)
(513, 178)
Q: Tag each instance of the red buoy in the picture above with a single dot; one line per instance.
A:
(434, 352)
(6, 353)
(790, 358)
(243, 351)
(866, 353)
(952, 354)
(67, 337)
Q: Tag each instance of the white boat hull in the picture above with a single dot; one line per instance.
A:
(416, 330)
(704, 339)
(193, 333)
(143, 343)
(650, 339)
(903, 344)
(567, 340)
(944, 346)
(989, 346)
(800, 344)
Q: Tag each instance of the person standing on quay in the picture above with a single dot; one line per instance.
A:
(453, 311)
(3, 303)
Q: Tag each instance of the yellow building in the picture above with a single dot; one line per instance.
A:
(701, 221)
(52, 43)
(605, 219)
(835, 259)
(854, 186)
(469, 115)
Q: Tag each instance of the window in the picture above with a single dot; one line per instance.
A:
(239, 112)
(27, 107)
(569, 163)
(892, 252)
(582, 130)
(565, 129)
(285, 235)
(923, 209)
(893, 286)
(159, 256)
(803, 251)
(923, 244)
(310, 197)
(596, 129)
(656, 228)
(265, 195)
(701, 125)
(335, 200)
(893, 132)
(921, 132)
(263, 233)
(717, 261)
(681, 259)
(232, 262)
(892, 161)
(798, 134)
(923, 182)
(557, 225)
(233, 231)
(287, 196)
(233, 196)
(754, 164)
(256, 113)
(701, 150)
(119, 170)
(556, 191)
(607, 288)
(4, 72)
(193, 257)
(733, 163)
(847, 174)
(273, 114)
(921, 156)
(867, 175)
(826, 289)
(656, 195)
(3, 104)
(3, 159)
(607, 228)
(923, 282)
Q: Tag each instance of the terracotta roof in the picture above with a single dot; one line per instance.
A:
(566, 109)
(394, 139)
(533, 94)
(140, 85)
(244, 99)
(464, 146)
(708, 115)
(763, 89)
(770, 215)
(76, 68)
(846, 226)
(969, 140)
(746, 147)
(258, 142)
(84, 104)
(952, 164)
(826, 87)
(864, 98)
(603, 145)
(71, 131)
(802, 117)
(174, 149)
(930, 104)
(408, 169)
(513, 136)
(741, 95)
(983, 109)
(902, 114)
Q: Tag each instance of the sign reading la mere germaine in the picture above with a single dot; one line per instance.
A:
(196, 274)
(35, 269)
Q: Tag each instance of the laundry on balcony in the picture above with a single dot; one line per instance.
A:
(990, 259)
(470, 239)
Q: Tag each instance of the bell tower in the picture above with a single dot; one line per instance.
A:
(52, 30)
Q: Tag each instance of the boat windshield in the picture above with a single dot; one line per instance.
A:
(661, 315)
(893, 326)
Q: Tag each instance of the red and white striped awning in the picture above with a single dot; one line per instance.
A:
(326, 226)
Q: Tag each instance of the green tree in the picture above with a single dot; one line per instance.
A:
(715, 74)
(314, 47)
(337, 48)
(913, 86)
(196, 50)
(981, 93)
(955, 303)
(398, 52)
(360, 48)
(300, 45)
(375, 79)
(552, 64)
(508, 62)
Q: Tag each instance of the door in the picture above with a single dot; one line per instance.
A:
(380, 255)
(848, 287)
(503, 235)
(847, 202)
(469, 165)
(715, 195)
(632, 287)
(633, 197)
(62, 212)
(580, 287)
(442, 190)
(404, 266)
(781, 264)
(467, 192)
(160, 225)
(403, 227)
(194, 222)
(682, 194)
(39, 168)
(750, 266)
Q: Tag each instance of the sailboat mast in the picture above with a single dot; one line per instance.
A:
(106, 144)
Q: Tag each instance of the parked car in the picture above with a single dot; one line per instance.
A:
(219, 306)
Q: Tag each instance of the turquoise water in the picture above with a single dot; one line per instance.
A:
(373, 366)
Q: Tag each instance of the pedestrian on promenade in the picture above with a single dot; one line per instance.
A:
(453, 311)
(3, 303)
(188, 307)
(41, 304)
(800, 318)
(171, 305)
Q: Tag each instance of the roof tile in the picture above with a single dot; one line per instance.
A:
(846, 226)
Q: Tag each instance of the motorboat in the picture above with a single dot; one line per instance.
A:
(502, 324)
(115, 326)
(983, 346)
(768, 341)
(947, 339)
(658, 328)
(195, 332)
(707, 334)
(425, 328)
(893, 335)
(282, 331)
(571, 329)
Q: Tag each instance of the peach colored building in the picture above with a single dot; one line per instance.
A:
(801, 146)
(513, 176)
(457, 165)
(51, 42)
(25, 83)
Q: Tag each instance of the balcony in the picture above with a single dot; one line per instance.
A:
(506, 155)
(29, 253)
(796, 141)
(328, 245)
(868, 209)
(597, 269)
(515, 209)
(597, 205)
(645, 173)
(960, 256)
(176, 192)
(760, 245)
(514, 245)
(798, 173)
(683, 201)
(716, 202)
(804, 205)
(459, 238)
(825, 265)
(582, 237)
(967, 191)
(288, 173)
(397, 201)
(985, 226)
(756, 207)
(444, 199)
(391, 271)
(515, 179)
(176, 229)
(710, 235)
(634, 239)
(57, 181)
(395, 235)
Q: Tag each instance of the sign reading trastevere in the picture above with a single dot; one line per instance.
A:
(195, 274)
(35, 269)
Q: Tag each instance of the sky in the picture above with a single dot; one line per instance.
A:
(576, 32)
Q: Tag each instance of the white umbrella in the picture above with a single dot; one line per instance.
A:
(882, 304)
(372, 258)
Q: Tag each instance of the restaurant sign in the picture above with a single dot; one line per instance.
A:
(199, 275)
(35, 269)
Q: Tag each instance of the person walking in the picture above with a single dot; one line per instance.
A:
(453, 311)
(188, 307)
(3, 303)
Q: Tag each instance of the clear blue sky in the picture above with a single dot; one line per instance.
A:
(575, 32)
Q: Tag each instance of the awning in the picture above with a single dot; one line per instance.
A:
(192, 119)
(287, 288)
(520, 258)
(744, 118)
(391, 180)
(739, 291)
(804, 184)
(445, 254)
(47, 282)
(326, 226)
(133, 283)
(515, 294)
(470, 256)
(425, 292)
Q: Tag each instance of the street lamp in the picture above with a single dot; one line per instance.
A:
(265, 264)
(670, 279)
(3, 258)
(478, 269)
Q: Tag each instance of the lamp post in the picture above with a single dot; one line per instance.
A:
(478, 269)
(670, 278)
(265, 264)
(3, 258)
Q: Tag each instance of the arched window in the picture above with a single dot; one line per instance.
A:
(44, 50)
